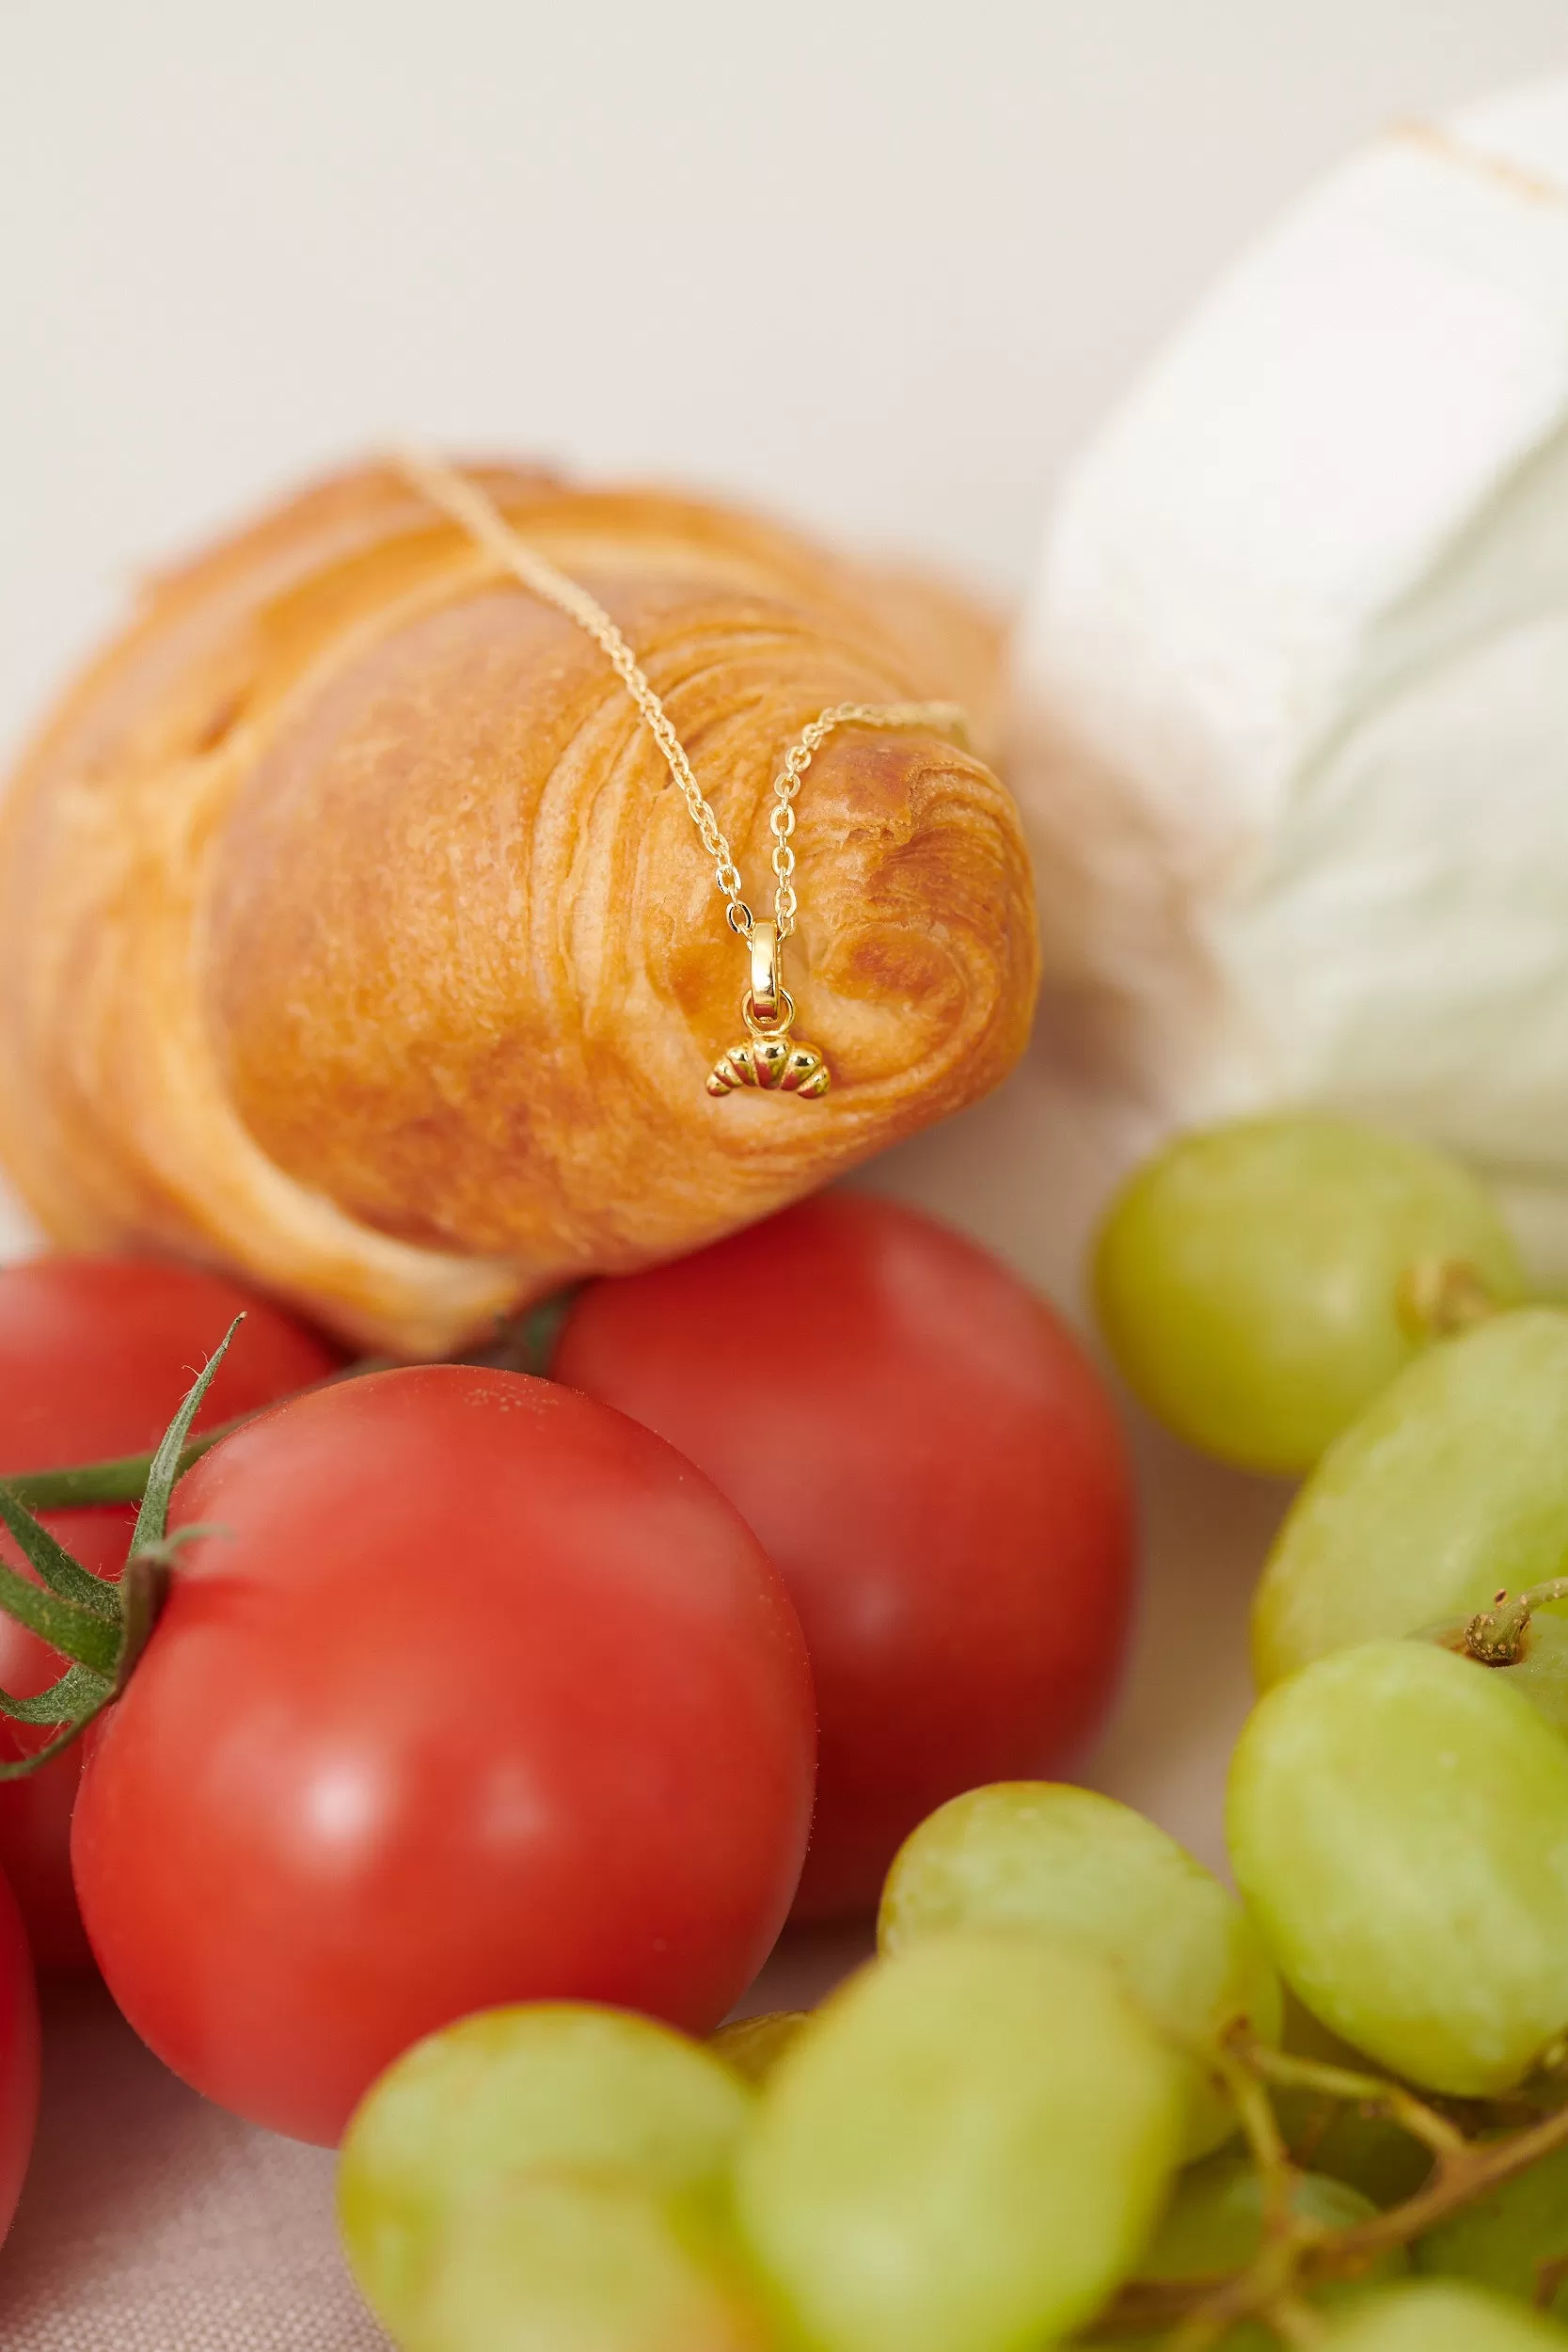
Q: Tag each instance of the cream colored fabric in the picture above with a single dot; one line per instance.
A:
(153, 2222)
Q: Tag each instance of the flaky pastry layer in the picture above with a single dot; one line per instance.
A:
(354, 935)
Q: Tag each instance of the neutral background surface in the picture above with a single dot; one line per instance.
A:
(878, 263)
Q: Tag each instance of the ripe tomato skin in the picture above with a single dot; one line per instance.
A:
(18, 2056)
(34, 1845)
(487, 1695)
(95, 1356)
(936, 1468)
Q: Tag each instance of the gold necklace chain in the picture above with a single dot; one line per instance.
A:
(766, 1058)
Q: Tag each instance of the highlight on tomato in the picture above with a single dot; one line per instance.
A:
(470, 1691)
(934, 1464)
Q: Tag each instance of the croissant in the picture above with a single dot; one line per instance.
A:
(355, 937)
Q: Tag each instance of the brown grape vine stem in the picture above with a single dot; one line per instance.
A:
(1495, 1636)
(1441, 1297)
(1298, 2254)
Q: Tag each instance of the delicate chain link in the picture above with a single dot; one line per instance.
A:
(478, 514)
(949, 717)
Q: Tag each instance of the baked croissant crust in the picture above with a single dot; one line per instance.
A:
(355, 936)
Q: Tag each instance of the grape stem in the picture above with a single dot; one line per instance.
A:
(1298, 2254)
(1441, 1297)
(1346, 2086)
(1248, 2089)
(1495, 1636)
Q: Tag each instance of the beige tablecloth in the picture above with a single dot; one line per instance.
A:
(153, 2222)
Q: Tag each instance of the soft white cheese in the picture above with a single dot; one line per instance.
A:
(1293, 689)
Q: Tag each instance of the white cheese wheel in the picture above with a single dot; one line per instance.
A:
(1291, 693)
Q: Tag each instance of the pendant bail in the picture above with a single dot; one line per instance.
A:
(767, 976)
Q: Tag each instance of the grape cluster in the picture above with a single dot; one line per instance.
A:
(1043, 2109)
(1084, 2094)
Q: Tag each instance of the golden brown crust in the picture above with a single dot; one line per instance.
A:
(356, 934)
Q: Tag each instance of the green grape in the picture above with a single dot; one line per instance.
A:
(554, 2083)
(1084, 1868)
(1397, 1824)
(1369, 2153)
(557, 2260)
(1214, 2222)
(1260, 1283)
(1429, 2317)
(753, 2045)
(1452, 1486)
(964, 2152)
(1499, 2241)
(1213, 2227)
(1541, 1674)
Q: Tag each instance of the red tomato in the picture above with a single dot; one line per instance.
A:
(936, 1468)
(485, 1695)
(95, 1356)
(18, 2056)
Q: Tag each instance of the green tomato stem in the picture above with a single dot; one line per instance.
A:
(523, 1343)
(50, 1562)
(101, 1626)
(22, 1767)
(77, 1633)
(124, 1478)
(168, 1457)
(77, 1693)
(121, 1480)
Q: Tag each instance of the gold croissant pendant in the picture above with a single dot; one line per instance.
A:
(767, 1056)
(772, 1062)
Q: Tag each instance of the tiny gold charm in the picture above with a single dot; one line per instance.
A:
(771, 1061)
(767, 1056)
